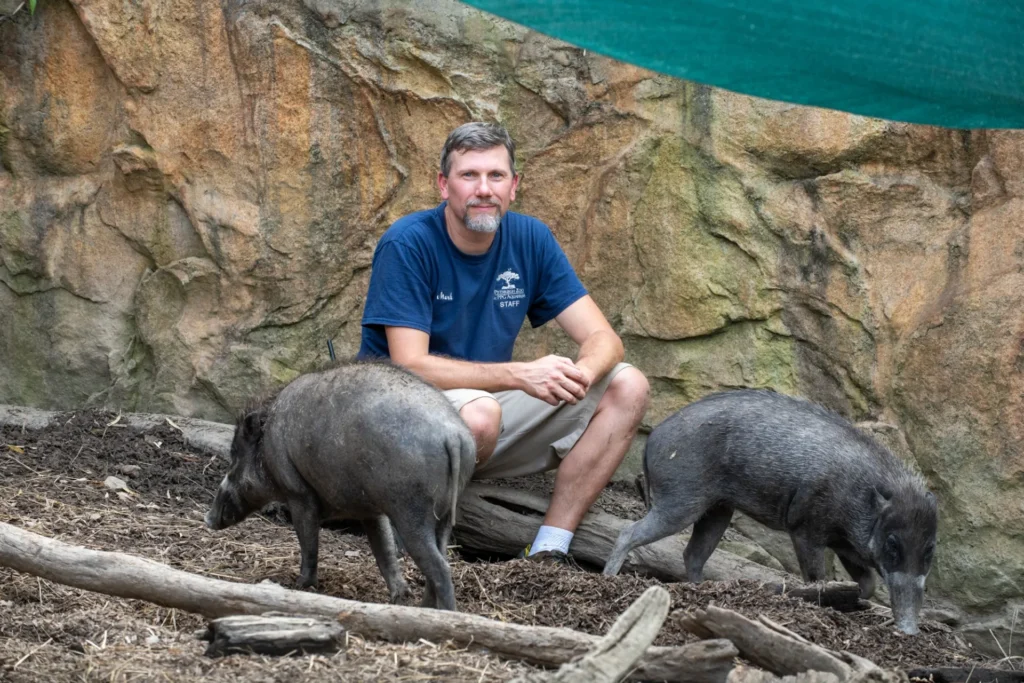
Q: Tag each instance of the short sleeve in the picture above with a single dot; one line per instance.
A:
(557, 286)
(399, 293)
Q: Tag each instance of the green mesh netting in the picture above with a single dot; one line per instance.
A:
(954, 63)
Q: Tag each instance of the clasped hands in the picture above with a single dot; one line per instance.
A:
(554, 379)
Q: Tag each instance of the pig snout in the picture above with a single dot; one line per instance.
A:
(212, 518)
(219, 515)
(906, 593)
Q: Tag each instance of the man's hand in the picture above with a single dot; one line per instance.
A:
(553, 379)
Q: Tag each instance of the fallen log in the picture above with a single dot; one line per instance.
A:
(504, 520)
(780, 650)
(25, 417)
(615, 654)
(762, 644)
(842, 596)
(131, 577)
(272, 634)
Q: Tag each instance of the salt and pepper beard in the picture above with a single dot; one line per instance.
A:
(483, 222)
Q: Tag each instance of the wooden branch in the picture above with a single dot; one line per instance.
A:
(136, 578)
(503, 520)
(764, 645)
(783, 652)
(615, 654)
(272, 634)
(842, 596)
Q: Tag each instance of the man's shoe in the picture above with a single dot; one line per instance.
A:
(544, 556)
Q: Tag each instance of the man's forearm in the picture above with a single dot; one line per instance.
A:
(449, 373)
(599, 353)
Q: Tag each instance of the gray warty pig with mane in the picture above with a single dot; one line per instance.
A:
(794, 466)
(360, 440)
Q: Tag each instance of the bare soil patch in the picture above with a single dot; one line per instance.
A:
(51, 482)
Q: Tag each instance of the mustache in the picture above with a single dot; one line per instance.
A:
(480, 202)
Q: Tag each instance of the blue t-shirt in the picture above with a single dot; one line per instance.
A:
(472, 306)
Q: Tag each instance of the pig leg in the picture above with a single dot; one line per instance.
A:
(859, 571)
(306, 521)
(422, 547)
(707, 532)
(810, 554)
(442, 532)
(418, 529)
(656, 525)
(382, 543)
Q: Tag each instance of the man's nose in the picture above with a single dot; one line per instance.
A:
(483, 188)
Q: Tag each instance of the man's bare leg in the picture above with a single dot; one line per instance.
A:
(483, 417)
(589, 466)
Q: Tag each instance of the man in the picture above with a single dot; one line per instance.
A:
(449, 291)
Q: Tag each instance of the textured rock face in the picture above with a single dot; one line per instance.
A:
(190, 193)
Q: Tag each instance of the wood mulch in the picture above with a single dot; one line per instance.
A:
(52, 483)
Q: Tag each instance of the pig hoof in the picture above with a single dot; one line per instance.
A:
(306, 582)
(403, 598)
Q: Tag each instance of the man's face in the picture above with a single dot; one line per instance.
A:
(479, 187)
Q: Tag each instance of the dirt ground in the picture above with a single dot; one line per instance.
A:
(52, 483)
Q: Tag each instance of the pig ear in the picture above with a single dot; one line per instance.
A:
(252, 427)
(880, 500)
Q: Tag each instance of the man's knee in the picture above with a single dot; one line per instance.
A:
(483, 417)
(629, 391)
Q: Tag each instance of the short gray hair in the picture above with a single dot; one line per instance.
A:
(476, 136)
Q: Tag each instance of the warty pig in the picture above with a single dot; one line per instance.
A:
(794, 466)
(360, 440)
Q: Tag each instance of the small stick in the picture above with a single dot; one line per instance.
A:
(35, 650)
(22, 464)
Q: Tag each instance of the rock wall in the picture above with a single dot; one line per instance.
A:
(190, 194)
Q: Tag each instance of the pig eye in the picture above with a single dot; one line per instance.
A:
(893, 551)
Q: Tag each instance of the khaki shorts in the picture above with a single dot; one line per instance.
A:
(535, 435)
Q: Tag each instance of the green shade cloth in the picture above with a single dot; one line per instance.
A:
(953, 63)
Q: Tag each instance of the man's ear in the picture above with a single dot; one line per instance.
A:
(442, 185)
(515, 184)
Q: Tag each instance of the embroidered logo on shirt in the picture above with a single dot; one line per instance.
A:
(508, 277)
(441, 296)
(508, 295)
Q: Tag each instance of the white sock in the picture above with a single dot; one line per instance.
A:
(551, 538)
